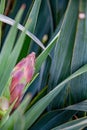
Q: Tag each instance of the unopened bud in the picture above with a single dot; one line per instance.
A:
(21, 75)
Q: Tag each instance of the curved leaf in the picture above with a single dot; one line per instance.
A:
(52, 119)
(10, 21)
(35, 111)
(78, 124)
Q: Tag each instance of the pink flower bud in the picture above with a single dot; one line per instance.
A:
(21, 75)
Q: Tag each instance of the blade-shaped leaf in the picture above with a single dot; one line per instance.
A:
(58, 10)
(79, 85)
(52, 119)
(41, 94)
(73, 125)
(81, 106)
(44, 73)
(14, 55)
(6, 116)
(33, 20)
(35, 111)
(11, 22)
(2, 6)
(41, 58)
(60, 67)
(8, 44)
(28, 85)
(15, 118)
(44, 24)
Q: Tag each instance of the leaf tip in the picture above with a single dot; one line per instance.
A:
(23, 6)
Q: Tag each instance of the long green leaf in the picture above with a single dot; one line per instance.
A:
(81, 106)
(73, 125)
(44, 24)
(58, 9)
(41, 94)
(61, 62)
(6, 116)
(52, 119)
(41, 58)
(17, 115)
(33, 20)
(79, 85)
(14, 56)
(11, 22)
(2, 7)
(8, 44)
(40, 106)
(44, 73)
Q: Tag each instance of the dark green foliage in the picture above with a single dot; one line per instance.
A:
(57, 93)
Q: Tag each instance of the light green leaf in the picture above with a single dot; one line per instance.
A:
(2, 6)
(6, 90)
(41, 94)
(11, 22)
(7, 114)
(8, 45)
(14, 56)
(33, 16)
(17, 116)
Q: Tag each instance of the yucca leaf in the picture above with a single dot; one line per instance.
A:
(44, 73)
(61, 62)
(58, 10)
(33, 87)
(78, 124)
(14, 123)
(17, 115)
(41, 58)
(81, 106)
(2, 7)
(44, 25)
(27, 86)
(5, 53)
(8, 44)
(16, 7)
(11, 22)
(33, 16)
(79, 85)
(6, 116)
(41, 94)
(14, 56)
(52, 119)
(6, 90)
(35, 111)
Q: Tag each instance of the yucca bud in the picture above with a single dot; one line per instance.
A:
(21, 75)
